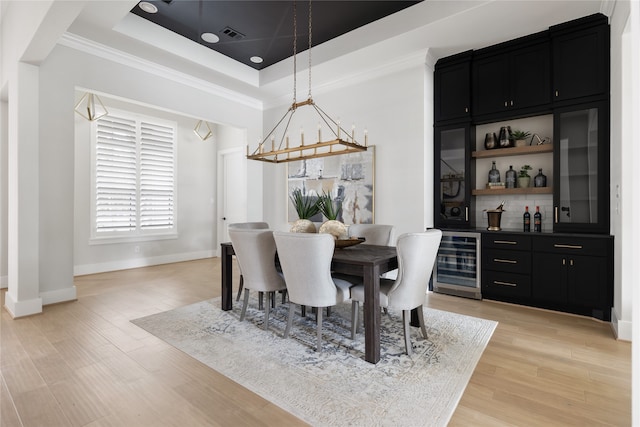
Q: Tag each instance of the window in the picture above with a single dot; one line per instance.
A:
(133, 176)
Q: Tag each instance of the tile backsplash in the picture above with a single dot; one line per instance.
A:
(514, 209)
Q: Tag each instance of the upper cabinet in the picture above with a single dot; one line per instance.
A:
(580, 59)
(452, 88)
(512, 78)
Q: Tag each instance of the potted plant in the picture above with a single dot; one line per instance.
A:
(520, 137)
(306, 207)
(523, 176)
(330, 211)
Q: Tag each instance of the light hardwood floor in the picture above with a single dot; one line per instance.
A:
(84, 364)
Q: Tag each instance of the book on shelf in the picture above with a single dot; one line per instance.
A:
(495, 185)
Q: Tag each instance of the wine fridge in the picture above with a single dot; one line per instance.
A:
(457, 269)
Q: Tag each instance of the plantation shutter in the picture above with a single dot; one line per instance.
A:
(116, 174)
(156, 176)
(134, 174)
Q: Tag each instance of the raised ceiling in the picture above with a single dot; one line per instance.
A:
(264, 29)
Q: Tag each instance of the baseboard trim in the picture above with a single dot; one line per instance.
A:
(59, 295)
(22, 308)
(4, 282)
(126, 264)
(621, 328)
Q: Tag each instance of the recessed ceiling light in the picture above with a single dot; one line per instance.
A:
(256, 59)
(148, 7)
(210, 37)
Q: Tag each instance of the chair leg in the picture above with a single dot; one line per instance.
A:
(289, 320)
(260, 300)
(284, 296)
(244, 304)
(319, 329)
(406, 316)
(240, 286)
(272, 298)
(303, 310)
(355, 311)
(421, 320)
(267, 309)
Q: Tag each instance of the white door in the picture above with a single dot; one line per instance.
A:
(232, 191)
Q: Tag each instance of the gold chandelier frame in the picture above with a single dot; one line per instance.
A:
(342, 142)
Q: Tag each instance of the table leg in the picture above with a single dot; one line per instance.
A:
(371, 280)
(227, 276)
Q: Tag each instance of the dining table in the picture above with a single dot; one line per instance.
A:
(365, 261)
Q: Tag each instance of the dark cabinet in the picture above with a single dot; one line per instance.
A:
(580, 58)
(506, 267)
(452, 192)
(581, 168)
(452, 88)
(573, 274)
(513, 80)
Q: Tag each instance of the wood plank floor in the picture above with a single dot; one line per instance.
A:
(84, 364)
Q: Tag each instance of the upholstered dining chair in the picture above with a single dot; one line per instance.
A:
(246, 226)
(374, 234)
(256, 251)
(305, 259)
(416, 257)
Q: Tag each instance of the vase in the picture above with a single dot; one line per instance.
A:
(521, 142)
(303, 226)
(336, 228)
(540, 180)
(523, 181)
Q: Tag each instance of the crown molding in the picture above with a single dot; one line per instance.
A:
(82, 44)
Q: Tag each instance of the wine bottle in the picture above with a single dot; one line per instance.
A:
(526, 219)
(537, 220)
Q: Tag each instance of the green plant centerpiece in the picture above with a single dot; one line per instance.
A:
(523, 176)
(330, 211)
(306, 207)
(520, 137)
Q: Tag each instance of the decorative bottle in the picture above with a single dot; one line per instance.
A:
(510, 178)
(526, 219)
(540, 180)
(537, 220)
(494, 174)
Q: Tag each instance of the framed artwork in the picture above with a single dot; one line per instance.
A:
(349, 178)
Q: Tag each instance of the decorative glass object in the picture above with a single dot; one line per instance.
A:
(494, 173)
(510, 178)
(540, 180)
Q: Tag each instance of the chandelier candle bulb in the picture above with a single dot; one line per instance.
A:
(366, 137)
(301, 136)
(338, 128)
(353, 133)
(319, 134)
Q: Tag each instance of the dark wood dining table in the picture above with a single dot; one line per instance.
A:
(365, 261)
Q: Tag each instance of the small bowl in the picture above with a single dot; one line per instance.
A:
(345, 243)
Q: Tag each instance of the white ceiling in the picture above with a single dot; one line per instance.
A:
(440, 28)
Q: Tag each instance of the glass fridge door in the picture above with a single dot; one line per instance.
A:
(457, 269)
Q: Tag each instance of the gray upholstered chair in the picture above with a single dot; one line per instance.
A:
(247, 226)
(256, 251)
(416, 257)
(374, 234)
(305, 259)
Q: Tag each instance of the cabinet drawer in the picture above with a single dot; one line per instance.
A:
(506, 241)
(507, 261)
(495, 283)
(572, 245)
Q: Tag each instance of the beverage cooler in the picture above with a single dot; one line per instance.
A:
(457, 269)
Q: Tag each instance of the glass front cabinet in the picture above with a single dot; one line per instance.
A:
(453, 176)
(581, 167)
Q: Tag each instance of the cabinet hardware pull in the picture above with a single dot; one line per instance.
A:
(555, 213)
(556, 93)
(506, 261)
(466, 213)
(506, 103)
(557, 245)
(512, 102)
(497, 282)
(571, 263)
(564, 261)
(466, 109)
(505, 242)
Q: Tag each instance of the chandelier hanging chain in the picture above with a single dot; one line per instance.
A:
(295, 43)
(309, 50)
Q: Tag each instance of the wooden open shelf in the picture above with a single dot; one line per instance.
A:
(513, 191)
(513, 151)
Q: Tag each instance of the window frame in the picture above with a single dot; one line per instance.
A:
(138, 234)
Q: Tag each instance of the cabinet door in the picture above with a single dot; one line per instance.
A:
(452, 192)
(581, 168)
(452, 91)
(549, 277)
(530, 77)
(581, 63)
(586, 281)
(490, 84)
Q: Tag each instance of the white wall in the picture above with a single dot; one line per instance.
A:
(391, 107)
(4, 176)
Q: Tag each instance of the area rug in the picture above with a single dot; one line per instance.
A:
(336, 387)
